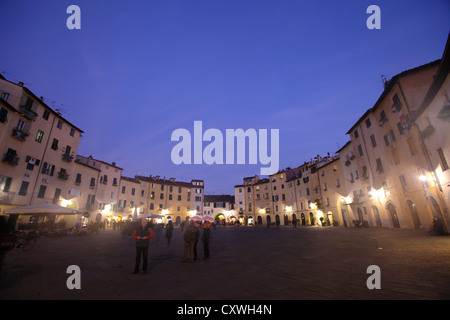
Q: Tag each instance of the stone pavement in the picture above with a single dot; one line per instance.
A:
(247, 263)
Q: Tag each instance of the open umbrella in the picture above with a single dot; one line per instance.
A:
(43, 209)
(208, 218)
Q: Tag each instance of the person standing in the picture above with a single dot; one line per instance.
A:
(197, 236)
(205, 238)
(142, 234)
(189, 236)
(169, 231)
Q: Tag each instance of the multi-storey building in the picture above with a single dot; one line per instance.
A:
(432, 121)
(171, 199)
(38, 147)
(390, 156)
(104, 203)
(220, 207)
(131, 196)
(352, 188)
(331, 181)
(293, 194)
(83, 190)
(40, 164)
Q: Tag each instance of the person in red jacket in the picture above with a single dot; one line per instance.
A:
(142, 234)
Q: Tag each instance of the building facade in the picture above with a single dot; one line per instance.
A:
(396, 188)
(38, 147)
(393, 172)
(171, 199)
(220, 207)
(40, 164)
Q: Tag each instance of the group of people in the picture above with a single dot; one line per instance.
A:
(191, 234)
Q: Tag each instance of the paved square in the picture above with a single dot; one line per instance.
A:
(246, 263)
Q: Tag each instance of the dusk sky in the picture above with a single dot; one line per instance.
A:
(138, 70)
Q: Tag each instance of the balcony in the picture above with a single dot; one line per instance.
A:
(67, 157)
(20, 134)
(30, 114)
(12, 159)
(63, 175)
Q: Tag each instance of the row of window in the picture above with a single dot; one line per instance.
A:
(302, 207)
(28, 111)
(5, 185)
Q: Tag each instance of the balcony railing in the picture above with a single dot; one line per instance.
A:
(21, 134)
(67, 157)
(11, 159)
(30, 114)
(63, 175)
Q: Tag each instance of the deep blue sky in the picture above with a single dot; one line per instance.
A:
(137, 70)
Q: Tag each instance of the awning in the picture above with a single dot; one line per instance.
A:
(43, 209)
(150, 215)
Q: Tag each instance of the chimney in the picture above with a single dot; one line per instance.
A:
(21, 83)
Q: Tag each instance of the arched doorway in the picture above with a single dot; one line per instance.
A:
(376, 214)
(414, 214)
(219, 217)
(303, 219)
(436, 211)
(344, 217)
(360, 214)
(277, 220)
(178, 220)
(259, 221)
(294, 218)
(393, 213)
(311, 218)
(268, 220)
(286, 220)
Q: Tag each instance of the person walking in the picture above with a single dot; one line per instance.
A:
(206, 235)
(189, 236)
(142, 234)
(169, 231)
